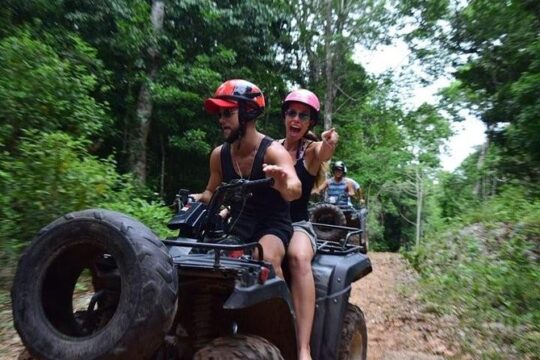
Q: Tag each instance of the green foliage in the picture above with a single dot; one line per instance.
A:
(485, 269)
(495, 50)
(71, 74)
(8, 216)
(192, 141)
(53, 174)
(383, 146)
(153, 214)
(512, 205)
(39, 90)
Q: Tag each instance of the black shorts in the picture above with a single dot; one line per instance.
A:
(251, 228)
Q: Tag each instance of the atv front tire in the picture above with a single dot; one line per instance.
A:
(239, 347)
(353, 345)
(324, 213)
(133, 278)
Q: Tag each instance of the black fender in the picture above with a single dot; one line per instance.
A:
(334, 275)
(244, 297)
(266, 310)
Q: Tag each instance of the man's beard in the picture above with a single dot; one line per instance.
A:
(233, 135)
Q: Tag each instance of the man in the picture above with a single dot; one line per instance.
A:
(249, 154)
(339, 187)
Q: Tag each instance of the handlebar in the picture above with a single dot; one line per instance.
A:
(236, 189)
(241, 186)
(245, 183)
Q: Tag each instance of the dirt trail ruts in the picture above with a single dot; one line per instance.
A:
(399, 328)
(10, 343)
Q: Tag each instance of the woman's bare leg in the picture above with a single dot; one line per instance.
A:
(300, 254)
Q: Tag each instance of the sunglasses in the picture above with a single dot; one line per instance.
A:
(226, 113)
(301, 115)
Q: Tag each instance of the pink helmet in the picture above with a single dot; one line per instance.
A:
(305, 97)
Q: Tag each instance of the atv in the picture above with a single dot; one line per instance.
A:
(199, 295)
(340, 223)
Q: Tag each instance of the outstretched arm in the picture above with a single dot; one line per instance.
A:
(325, 148)
(279, 165)
(320, 152)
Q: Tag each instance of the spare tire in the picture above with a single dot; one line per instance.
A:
(324, 213)
(133, 278)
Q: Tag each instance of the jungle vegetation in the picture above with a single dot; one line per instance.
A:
(101, 106)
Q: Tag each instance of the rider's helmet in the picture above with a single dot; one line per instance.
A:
(244, 95)
(305, 97)
(339, 165)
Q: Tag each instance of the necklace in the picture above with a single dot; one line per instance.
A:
(238, 168)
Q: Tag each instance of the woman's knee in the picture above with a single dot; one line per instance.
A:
(299, 261)
(299, 257)
(300, 251)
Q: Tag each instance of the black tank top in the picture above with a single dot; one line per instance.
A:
(299, 206)
(264, 200)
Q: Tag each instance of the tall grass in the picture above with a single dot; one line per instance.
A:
(484, 268)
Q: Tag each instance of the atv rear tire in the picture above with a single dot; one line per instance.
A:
(363, 224)
(239, 347)
(353, 344)
(132, 275)
(364, 245)
(355, 240)
(361, 241)
(328, 214)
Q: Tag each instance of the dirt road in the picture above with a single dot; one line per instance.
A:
(398, 327)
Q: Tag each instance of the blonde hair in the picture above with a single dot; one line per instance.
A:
(320, 177)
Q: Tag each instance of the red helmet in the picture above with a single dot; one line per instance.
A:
(305, 97)
(237, 93)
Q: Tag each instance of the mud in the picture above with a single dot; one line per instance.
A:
(399, 326)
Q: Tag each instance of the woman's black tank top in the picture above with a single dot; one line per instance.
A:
(299, 206)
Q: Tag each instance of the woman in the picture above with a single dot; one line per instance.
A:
(300, 111)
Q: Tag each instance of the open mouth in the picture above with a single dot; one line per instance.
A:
(295, 130)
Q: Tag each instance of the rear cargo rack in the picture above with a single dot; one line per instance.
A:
(213, 246)
(335, 248)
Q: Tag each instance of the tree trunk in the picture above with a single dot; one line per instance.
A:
(479, 190)
(144, 101)
(419, 203)
(329, 68)
(162, 170)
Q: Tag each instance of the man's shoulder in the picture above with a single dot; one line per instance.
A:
(217, 150)
(276, 147)
(354, 182)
